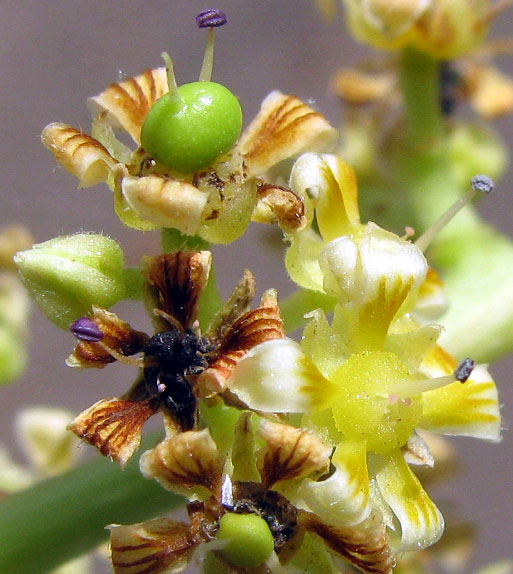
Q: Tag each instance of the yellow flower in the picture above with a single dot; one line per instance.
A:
(366, 381)
(217, 202)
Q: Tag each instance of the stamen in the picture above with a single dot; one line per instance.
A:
(464, 370)
(210, 19)
(170, 73)
(85, 329)
(132, 361)
(480, 183)
(415, 387)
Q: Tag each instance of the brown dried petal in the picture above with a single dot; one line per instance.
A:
(281, 205)
(290, 453)
(359, 87)
(128, 102)
(157, 546)
(235, 306)
(114, 426)
(78, 153)
(284, 128)
(184, 462)
(117, 335)
(365, 546)
(253, 328)
(163, 201)
(175, 282)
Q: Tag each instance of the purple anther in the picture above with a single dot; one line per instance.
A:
(482, 183)
(211, 18)
(86, 329)
(464, 370)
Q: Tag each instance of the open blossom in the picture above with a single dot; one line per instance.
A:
(245, 487)
(178, 365)
(217, 202)
(366, 381)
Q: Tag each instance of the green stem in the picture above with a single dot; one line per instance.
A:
(60, 518)
(419, 85)
(474, 259)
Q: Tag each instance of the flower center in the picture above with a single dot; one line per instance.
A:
(367, 408)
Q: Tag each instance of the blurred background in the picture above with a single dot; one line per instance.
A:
(56, 53)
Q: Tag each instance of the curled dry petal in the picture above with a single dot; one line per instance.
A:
(117, 336)
(290, 453)
(161, 201)
(281, 205)
(254, 327)
(184, 462)
(366, 547)
(157, 546)
(114, 426)
(235, 307)
(80, 154)
(358, 87)
(175, 282)
(128, 102)
(284, 127)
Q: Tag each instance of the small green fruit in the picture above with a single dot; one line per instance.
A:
(249, 541)
(190, 129)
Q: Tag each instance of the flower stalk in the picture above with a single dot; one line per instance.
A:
(64, 517)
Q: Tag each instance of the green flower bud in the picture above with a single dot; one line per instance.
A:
(65, 276)
(249, 541)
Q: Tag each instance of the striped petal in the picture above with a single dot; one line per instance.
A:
(468, 409)
(80, 154)
(127, 103)
(114, 426)
(188, 463)
(277, 376)
(421, 522)
(159, 546)
(366, 546)
(284, 127)
(290, 453)
(154, 200)
(248, 331)
(343, 499)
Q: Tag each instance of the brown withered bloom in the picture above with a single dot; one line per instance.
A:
(248, 481)
(177, 365)
(216, 203)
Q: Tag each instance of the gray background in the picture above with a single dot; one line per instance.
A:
(55, 53)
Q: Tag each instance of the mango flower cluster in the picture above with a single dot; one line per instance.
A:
(293, 456)
(321, 469)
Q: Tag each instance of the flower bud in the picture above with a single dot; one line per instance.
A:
(65, 276)
(443, 28)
